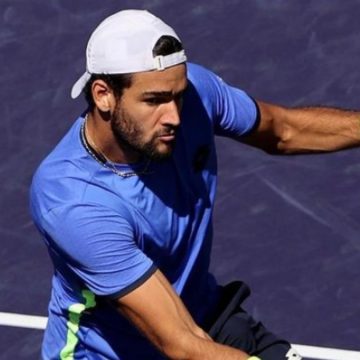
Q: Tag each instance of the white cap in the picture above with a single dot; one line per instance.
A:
(123, 43)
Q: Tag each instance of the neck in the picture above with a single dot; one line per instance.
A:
(99, 134)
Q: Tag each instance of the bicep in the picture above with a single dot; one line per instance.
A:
(270, 128)
(159, 313)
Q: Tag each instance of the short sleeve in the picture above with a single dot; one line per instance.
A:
(233, 112)
(99, 246)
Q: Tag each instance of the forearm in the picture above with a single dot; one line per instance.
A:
(193, 343)
(156, 310)
(190, 343)
(205, 349)
(319, 129)
(310, 129)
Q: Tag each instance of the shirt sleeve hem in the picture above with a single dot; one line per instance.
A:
(257, 119)
(135, 284)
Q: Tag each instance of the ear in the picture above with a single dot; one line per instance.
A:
(103, 96)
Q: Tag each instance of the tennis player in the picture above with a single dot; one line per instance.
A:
(124, 202)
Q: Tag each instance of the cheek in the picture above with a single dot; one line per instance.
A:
(144, 118)
(146, 124)
(148, 119)
(142, 111)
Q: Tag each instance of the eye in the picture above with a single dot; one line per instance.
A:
(155, 101)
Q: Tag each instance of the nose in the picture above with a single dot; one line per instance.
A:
(171, 114)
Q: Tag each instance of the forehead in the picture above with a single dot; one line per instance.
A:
(172, 80)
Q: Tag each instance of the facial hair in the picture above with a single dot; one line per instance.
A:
(129, 135)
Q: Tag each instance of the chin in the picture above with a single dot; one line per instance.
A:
(162, 153)
(158, 150)
(158, 156)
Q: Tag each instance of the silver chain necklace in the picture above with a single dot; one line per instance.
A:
(99, 156)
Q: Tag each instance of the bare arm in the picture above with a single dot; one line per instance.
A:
(298, 130)
(159, 313)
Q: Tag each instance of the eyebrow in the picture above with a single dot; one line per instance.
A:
(158, 93)
(163, 93)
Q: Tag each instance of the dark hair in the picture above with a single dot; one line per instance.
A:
(166, 45)
(117, 82)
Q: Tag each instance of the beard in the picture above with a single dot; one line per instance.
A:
(129, 135)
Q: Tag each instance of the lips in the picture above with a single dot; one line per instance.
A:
(168, 135)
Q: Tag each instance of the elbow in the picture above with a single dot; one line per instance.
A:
(285, 140)
(280, 134)
(187, 345)
(179, 349)
(294, 141)
(285, 143)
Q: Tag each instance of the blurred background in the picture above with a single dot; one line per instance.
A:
(289, 226)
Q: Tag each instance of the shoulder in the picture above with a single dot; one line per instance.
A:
(64, 175)
(232, 110)
(204, 89)
(211, 88)
(201, 77)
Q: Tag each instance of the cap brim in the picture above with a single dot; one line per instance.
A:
(79, 85)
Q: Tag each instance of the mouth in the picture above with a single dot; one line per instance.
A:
(169, 136)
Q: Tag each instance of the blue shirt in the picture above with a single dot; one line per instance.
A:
(106, 234)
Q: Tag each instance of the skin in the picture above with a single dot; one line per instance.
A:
(146, 117)
(304, 130)
(152, 104)
(145, 120)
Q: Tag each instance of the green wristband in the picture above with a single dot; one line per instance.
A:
(253, 358)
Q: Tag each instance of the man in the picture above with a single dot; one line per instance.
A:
(124, 202)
